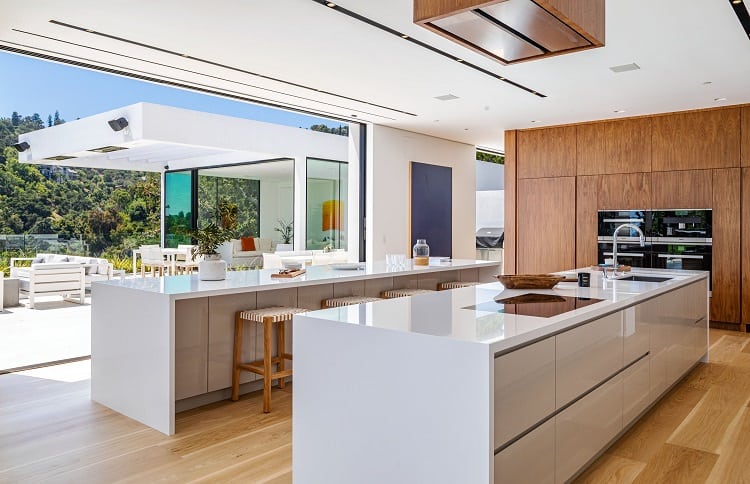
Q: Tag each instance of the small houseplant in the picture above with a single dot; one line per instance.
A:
(208, 239)
(286, 230)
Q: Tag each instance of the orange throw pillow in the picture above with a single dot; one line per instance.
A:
(248, 243)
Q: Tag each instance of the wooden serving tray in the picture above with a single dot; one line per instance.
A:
(288, 274)
(532, 281)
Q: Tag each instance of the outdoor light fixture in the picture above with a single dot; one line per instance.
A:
(22, 146)
(118, 124)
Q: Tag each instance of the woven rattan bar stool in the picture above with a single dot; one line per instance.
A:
(337, 302)
(393, 293)
(443, 286)
(276, 316)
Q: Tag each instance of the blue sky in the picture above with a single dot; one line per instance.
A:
(35, 86)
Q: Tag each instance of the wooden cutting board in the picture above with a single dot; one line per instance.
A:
(288, 275)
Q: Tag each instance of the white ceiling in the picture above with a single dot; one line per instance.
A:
(678, 44)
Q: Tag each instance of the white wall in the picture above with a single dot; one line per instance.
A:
(490, 208)
(389, 153)
(275, 203)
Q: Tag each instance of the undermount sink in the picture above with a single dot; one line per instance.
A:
(645, 279)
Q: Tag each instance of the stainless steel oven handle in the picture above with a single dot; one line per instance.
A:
(625, 254)
(669, 256)
(623, 220)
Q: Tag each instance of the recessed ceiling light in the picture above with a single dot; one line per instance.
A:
(437, 121)
(404, 36)
(706, 83)
(446, 97)
(534, 120)
(625, 68)
(330, 4)
(720, 99)
(459, 60)
(619, 111)
(354, 115)
(736, 1)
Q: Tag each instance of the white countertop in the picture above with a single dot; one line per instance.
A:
(188, 286)
(445, 313)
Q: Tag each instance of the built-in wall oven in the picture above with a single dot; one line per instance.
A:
(629, 250)
(675, 239)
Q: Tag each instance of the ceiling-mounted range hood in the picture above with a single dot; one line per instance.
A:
(516, 30)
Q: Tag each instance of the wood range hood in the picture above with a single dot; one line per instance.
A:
(511, 31)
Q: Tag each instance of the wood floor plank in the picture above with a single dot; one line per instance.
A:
(611, 469)
(727, 348)
(732, 463)
(647, 436)
(285, 478)
(675, 464)
(260, 470)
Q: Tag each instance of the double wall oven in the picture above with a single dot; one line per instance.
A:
(675, 239)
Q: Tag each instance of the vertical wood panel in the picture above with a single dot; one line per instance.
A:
(745, 239)
(682, 189)
(547, 152)
(587, 15)
(625, 191)
(587, 188)
(745, 136)
(509, 244)
(725, 297)
(590, 149)
(694, 140)
(628, 146)
(546, 231)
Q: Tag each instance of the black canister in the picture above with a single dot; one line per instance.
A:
(584, 279)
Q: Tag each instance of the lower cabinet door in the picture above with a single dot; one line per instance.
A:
(531, 459)
(585, 427)
(636, 390)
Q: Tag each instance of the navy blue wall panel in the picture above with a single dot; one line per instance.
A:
(432, 207)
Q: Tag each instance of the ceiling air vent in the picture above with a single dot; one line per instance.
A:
(625, 68)
(516, 30)
(60, 158)
(107, 149)
(446, 97)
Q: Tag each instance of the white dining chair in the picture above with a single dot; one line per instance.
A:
(153, 258)
(185, 262)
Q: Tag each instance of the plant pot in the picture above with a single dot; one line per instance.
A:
(212, 268)
(284, 247)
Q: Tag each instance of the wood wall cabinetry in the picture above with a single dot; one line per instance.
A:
(590, 149)
(587, 199)
(511, 175)
(745, 136)
(725, 271)
(694, 140)
(745, 248)
(548, 152)
(682, 189)
(625, 191)
(622, 146)
(547, 208)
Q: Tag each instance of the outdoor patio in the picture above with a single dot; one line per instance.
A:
(55, 330)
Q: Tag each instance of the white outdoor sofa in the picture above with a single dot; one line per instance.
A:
(59, 274)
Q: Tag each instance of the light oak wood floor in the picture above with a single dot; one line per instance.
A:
(50, 431)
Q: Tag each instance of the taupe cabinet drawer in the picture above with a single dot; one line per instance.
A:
(524, 389)
(588, 355)
(529, 460)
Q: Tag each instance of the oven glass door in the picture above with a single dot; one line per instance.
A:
(609, 220)
(682, 257)
(632, 255)
(682, 224)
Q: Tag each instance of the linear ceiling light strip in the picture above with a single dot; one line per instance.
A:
(253, 86)
(740, 9)
(407, 37)
(224, 66)
(89, 64)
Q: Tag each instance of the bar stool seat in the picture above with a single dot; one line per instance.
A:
(337, 302)
(393, 293)
(455, 285)
(270, 317)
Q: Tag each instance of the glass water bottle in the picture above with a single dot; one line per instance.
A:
(421, 253)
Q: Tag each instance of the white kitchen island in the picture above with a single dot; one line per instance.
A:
(161, 345)
(454, 387)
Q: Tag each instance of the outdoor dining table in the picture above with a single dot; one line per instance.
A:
(169, 252)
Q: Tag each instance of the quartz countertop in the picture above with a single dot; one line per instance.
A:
(188, 286)
(468, 314)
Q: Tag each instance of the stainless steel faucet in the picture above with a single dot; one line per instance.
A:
(614, 244)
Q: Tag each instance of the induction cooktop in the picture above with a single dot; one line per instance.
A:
(534, 304)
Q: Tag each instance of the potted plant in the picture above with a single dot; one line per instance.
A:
(209, 238)
(286, 230)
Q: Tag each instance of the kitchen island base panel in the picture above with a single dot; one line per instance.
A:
(430, 426)
(132, 354)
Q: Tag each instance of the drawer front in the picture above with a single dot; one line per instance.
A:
(636, 389)
(586, 426)
(588, 355)
(636, 336)
(524, 389)
(530, 460)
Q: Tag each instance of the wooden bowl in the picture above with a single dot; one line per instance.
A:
(531, 281)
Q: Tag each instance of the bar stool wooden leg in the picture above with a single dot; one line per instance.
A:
(267, 348)
(280, 350)
(237, 358)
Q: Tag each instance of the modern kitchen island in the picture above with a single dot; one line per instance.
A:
(162, 345)
(458, 387)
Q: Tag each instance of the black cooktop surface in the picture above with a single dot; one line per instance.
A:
(534, 304)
